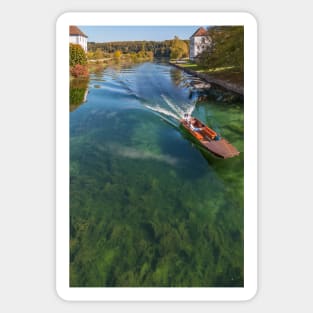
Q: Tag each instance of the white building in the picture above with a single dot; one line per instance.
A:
(199, 41)
(78, 37)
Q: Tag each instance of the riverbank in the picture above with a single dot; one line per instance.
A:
(226, 79)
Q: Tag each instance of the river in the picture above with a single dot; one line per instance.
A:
(148, 208)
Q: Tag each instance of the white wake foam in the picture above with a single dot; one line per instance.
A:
(173, 106)
(163, 111)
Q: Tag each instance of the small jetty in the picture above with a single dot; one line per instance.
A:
(208, 138)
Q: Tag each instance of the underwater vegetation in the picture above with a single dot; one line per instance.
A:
(147, 207)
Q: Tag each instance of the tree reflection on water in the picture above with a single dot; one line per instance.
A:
(78, 92)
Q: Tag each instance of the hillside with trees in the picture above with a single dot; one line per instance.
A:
(158, 48)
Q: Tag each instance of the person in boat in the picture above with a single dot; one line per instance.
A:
(191, 121)
(194, 128)
(187, 118)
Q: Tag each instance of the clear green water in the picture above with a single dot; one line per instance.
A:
(147, 207)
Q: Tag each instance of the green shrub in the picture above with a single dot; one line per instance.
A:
(77, 55)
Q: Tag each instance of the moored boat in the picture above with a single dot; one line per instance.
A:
(208, 138)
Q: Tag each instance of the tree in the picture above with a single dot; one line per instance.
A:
(226, 48)
(149, 54)
(117, 54)
(179, 49)
(90, 55)
(99, 54)
(77, 55)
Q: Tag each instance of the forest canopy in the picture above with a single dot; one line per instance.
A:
(159, 48)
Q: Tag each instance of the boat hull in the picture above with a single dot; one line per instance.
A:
(206, 137)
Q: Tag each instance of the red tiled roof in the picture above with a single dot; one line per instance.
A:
(75, 31)
(200, 32)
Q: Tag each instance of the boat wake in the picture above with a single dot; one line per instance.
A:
(179, 112)
(184, 108)
(163, 111)
(170, 109)
(157, 95)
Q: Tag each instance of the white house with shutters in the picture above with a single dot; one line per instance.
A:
(78, 37)
(198, 42)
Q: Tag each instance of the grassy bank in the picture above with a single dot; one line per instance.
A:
(228, 77)
(229, 74)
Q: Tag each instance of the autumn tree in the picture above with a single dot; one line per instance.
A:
(99, 54)
(117, 54)
(179, 49)
(90, 55)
